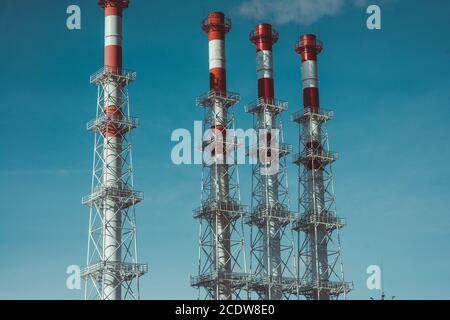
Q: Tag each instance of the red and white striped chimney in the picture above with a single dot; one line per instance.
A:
(113, 33)
(216, 26)
(264, 37)
(113, 56)
(308, 48)
(112, 170)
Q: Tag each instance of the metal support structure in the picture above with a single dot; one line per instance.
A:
(321, 275)
(272, 253)
(221, 265)
(112, 271)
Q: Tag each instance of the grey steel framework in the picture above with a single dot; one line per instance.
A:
(321, 275)
(221, 265)
(112, 271)
(272, 253)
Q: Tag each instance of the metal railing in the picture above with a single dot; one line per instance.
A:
(228, 97)
(326, 218)
(209, 207)
(122, 122)
(283, 148)
(106, 71)
(125, 196)
(126, 269)
(272, 280)
(272, 38)
(316, 154)
(307, 113)
(317, 44)
(259, 104)
(262, 212)
(225, 26)
(204, 279)
(333, 287)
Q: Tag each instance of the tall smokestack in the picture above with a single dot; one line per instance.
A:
(216, 27)
(271, 247)
(113, 167)
(264, 37)
(112, 255)
(221, 240)
(309, 48)
(319, 253)
(113, 33)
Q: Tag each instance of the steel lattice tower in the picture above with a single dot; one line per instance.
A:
(321, 275)
(272, 264)
(112, 271)
(221, 265)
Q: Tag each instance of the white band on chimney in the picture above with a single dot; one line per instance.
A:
(264, 66)
(113, 31)
(216, 54)
(309, 74)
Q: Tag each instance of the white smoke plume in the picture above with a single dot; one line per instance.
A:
(298, 11)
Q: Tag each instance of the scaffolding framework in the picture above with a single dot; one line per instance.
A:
(221, 262)
(113, 198)
(272, 272)
(321, 274)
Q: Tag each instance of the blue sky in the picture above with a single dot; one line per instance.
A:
(389, 90)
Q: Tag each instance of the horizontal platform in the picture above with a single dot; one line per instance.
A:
(326, 218)
(262, 104)
(225, 26)
(227, 99)
(307, 115)
(333, 288)
(209, 209)
(283, 149)
(125, 271)
(259, 215)
(230, 145)
(123, 197)
(209, 280)
(122, 125)
(308, 156)
(106, 74)
(261, 284)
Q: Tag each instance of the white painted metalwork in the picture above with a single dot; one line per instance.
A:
(221, 264)
(112, 271)
(321, 275)
(272, 272)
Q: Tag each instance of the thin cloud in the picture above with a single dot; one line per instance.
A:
(298, 11)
